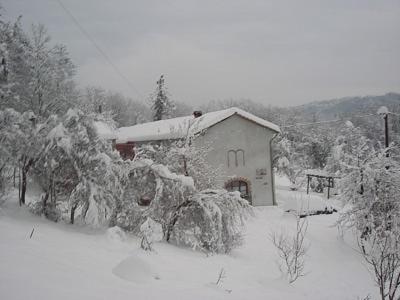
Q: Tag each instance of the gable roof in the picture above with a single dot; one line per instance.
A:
(177, 128)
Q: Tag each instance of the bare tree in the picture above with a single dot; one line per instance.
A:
(292, 250)
(381, 252)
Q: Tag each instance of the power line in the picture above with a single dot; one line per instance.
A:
(326, 122)
(106, 57)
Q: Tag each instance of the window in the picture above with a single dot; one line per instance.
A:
(240, 186)
(235, 158)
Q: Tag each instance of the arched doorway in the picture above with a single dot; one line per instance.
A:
(241, 185)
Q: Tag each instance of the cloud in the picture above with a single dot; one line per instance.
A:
(277, 52)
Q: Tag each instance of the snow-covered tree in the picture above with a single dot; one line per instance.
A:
(93, 100)
(9, 132)
(4, 35)
(39, 75)
(350, 149)
(22, 143)
(287, 163)
(14, 85)
(290, 158)
(372, 192)
(124, 111)
(161, 104)
(78, 163)
(76, 169)
(185, 157)
(51, 71)
(152, 191)
(211, 220)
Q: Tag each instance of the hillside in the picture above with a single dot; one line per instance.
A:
(343, 107)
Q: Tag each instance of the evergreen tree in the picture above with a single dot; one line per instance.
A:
(161, 104)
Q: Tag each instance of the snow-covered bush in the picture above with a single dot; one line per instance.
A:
(151, 231)
(372, 191)
(116, 234)
(211, 220)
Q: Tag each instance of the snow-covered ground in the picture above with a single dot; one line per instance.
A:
(62, 261)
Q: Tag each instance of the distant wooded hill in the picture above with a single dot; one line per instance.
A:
(345, 107)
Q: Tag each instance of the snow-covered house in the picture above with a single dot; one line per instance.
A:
(241, 147)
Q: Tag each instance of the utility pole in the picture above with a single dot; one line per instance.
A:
(383, 111)
(386, 131)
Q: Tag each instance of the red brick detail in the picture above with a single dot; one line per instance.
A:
(126, 150)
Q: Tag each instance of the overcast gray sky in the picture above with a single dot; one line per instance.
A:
(280, 52)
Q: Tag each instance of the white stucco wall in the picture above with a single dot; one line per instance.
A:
(236, 133)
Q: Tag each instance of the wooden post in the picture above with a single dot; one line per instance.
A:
(308, 183)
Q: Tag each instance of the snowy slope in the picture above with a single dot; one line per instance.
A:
(61, 261)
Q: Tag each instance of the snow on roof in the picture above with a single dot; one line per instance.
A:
(104, 130)
(179, 127)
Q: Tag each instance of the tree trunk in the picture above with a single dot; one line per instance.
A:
(175, 218)
(382, 289)
(19, 185)
(25, 169)
(185, 167)
(46, 197)
(72, 216)
(23, 187)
